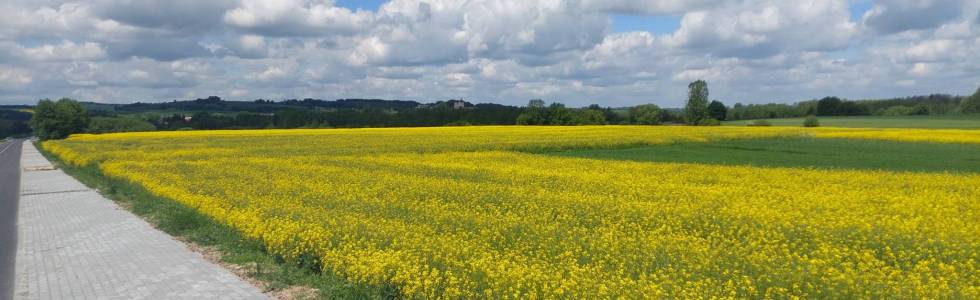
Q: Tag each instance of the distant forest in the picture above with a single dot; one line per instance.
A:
(936, 104)
(216, 113)
(14, 121)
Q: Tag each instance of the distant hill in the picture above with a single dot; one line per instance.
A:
(216, 104)
(216, 113)
(14, 121)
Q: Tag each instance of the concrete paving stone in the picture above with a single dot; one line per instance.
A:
(75, 244)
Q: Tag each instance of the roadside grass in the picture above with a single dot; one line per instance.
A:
(936, 121)
(804, 152)
(249, 258)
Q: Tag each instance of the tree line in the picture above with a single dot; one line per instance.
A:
(936, 104)
(437, 115)
(58, 119)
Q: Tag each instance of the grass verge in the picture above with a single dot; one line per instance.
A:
(216, 241)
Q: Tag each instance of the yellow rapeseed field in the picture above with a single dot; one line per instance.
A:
(474, 212)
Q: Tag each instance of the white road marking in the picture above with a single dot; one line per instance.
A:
(11, 143)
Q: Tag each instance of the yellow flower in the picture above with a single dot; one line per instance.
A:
(474, 213)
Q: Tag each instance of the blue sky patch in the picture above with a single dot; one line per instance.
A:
(371, 5)
(859, 7)
(661, 24)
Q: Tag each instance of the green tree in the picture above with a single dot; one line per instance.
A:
(645, 114)
(535, 103)
(851, 108)
(293, 118)
(829, 106)
(696, 109)
(897, 110)
(555, 114)
(920, 110)
(717, 110)
(971, 104)
(558, 114)
(737, 111)
(610, 116)
(59, 119)
(526, 119)
(534, 114)
(111, 124)
(588, 117)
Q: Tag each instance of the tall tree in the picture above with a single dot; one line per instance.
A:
(58, 120)
(717, 110)
(696, 109)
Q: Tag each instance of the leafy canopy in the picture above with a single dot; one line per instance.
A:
(646, 114)
(696, 109)
(717, 110)
(59, 119)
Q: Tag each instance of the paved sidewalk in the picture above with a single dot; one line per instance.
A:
(75, 244)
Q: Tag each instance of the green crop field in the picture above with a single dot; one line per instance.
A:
(958, 121)
(806, 153)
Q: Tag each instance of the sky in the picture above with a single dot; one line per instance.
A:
(578, 52)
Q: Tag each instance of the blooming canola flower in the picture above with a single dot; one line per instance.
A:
(479, 212)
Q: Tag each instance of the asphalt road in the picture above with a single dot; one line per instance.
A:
(9, 197)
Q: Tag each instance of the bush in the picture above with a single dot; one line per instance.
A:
(709, 122)
(811, 121)
(458, 123)
(760, 122)
(920, 110)
(898, 110)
